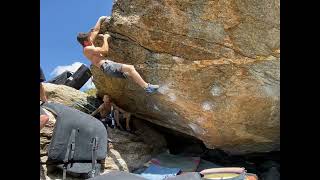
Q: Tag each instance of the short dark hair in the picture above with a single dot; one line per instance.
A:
(110, 99)
(82, 37)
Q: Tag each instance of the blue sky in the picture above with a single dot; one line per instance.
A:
(60, 21)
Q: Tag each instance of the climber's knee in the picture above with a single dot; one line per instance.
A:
(128, 68)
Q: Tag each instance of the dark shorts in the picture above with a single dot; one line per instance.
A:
(113, 69)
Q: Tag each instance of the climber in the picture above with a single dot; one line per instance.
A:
(44, 118)
(96, 56)
(109, 110)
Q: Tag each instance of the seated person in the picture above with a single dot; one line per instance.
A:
(108, 108)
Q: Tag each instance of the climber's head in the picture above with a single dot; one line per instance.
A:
(106, 98)
(84, 39)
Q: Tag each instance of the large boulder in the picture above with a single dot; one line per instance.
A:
(217, 63)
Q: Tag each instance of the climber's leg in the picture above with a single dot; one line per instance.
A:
(131, 72)
(127, 117)
(116, 117)
(123, 70)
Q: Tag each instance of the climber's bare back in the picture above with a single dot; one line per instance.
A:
(95, 57)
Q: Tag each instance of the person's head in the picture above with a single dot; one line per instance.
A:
(106, 98)
(83, 39)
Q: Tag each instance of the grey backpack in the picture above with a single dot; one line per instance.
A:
(78, 144)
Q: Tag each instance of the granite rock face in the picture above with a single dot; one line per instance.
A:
(217, 62)
(71, 97)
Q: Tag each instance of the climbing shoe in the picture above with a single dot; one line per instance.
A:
(151, 88)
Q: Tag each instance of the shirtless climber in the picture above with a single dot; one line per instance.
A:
(106, 108)
(97, 57)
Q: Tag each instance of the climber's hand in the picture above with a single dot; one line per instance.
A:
(106, 35)
(102, 18)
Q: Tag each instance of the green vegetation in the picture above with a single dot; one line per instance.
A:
(91, 92)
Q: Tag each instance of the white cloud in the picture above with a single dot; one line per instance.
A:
(73, 68)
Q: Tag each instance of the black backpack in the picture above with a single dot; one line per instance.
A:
(79, 142)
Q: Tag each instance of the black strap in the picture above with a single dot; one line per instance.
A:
(112, 116)
(73, 143)
(94, 155)
(69, 156)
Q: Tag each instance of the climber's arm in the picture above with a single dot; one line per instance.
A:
(118, 108)
(105, 46)
(96, 111)
(97, 50)
(101, 50)
(96, 29)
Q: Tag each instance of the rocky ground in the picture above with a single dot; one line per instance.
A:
(126, 151)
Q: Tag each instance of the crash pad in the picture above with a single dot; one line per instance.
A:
(118, 175)
(206, 165)
(186, 176)
(155, 172)
(227, 176)
(186, 164)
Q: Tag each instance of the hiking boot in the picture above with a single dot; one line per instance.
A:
(151, 88)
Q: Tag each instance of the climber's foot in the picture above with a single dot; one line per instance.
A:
(151, 88)
(128, 129)
(121, 128)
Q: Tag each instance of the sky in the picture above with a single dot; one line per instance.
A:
(60, 22)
